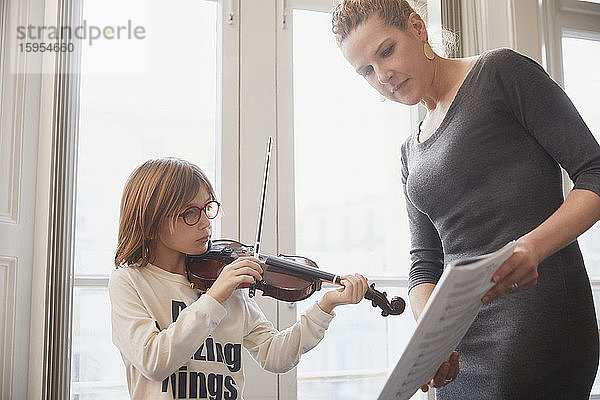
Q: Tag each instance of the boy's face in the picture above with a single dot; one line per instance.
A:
(188, 239)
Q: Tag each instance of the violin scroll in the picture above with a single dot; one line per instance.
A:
(378, 299)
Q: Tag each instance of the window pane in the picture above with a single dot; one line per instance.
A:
(139, 99)
(98, 371)
(168, 110)
(582, 84)
(358, 352)
(350, 211)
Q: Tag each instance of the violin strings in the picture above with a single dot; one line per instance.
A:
(301, 269)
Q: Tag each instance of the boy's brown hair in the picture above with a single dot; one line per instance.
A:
(155, 192)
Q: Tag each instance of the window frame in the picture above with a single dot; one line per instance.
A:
(558, 16)
(570, 18)
(227, 131)
(574, 19)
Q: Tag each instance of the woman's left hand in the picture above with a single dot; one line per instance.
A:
(445, 374)
(518, 272)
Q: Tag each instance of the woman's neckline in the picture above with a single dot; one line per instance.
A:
(433, 137)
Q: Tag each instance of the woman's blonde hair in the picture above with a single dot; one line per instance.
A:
(349, 14)
(155, 193)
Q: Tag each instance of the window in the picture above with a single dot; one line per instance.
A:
(582, 83)
(202, 89)
(572, 47)
(141, 99)
(348, 207)
(182, 92)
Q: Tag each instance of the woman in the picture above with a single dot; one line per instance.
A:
(484, 169)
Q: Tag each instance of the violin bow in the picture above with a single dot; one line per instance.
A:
(261, 212)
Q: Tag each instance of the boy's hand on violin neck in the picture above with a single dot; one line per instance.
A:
(239, 274)
(355, 287)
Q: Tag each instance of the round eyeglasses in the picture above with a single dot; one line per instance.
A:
(192, 214)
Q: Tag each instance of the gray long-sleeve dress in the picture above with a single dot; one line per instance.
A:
(489, 174)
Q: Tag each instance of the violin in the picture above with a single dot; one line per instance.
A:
(287, 278)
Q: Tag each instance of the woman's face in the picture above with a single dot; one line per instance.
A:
(185, 238)
(390, 59)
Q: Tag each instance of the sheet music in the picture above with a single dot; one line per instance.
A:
(448, 314)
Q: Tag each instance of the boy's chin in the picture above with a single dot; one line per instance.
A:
(201, 248)
(198, 248)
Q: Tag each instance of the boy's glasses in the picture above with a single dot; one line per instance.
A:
(192, 214)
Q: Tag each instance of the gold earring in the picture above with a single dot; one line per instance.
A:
(382, 98)
(428, 51)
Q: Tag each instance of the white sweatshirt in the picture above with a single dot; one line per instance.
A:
(176, 345)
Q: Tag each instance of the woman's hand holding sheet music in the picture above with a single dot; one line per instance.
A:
(518, 272)
(447, 372)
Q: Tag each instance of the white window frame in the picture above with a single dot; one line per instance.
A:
(257, 121)
(575, 17)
